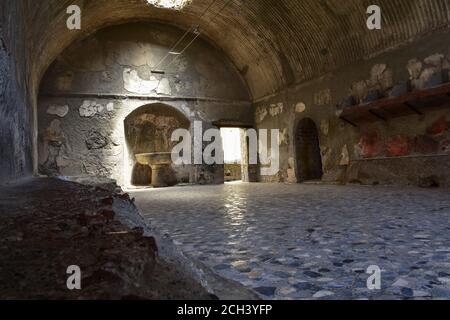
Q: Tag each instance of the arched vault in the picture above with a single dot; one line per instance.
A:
(274, 43)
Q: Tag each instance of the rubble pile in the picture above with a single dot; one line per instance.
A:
(49, 225)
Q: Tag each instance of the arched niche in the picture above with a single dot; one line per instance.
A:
(149, 129)
(307, 146)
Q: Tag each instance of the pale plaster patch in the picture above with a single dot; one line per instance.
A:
(359, 89)
(414, 67)
(100, 108)
(385, 80)
(261, 113)
(377, 71)
(135, 84)
(164, 87)
(91, 108)
(345, 157)
(60, 111)
(300, 107)
(435, 60)
(276, 109)
(325, 127)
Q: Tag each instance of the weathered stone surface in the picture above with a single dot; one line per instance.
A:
(425, 144)
(401, 283)
(314, 249)
(429, 182)
(77, 225)
(4, 68)
(54, 132)
(323, 294)
(266, 291)
(106, 76)
(96, 140)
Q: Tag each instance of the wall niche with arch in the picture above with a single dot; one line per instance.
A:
(148, 130)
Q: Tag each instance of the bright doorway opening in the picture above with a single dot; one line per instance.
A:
(232, 151)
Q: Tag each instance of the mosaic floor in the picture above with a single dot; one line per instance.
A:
(312, 241)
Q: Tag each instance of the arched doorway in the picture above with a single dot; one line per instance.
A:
(149, 130)
(309, 160)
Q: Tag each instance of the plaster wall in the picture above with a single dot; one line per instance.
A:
(412, 149)
(97, 82)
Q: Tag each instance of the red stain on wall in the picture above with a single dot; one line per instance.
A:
(435, 140)
(398, 146)
(439, 127)
(370, 145)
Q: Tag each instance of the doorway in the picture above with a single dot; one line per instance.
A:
(232, 151)
(309, 160)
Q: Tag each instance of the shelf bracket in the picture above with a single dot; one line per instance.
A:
(413, 108)
(348, 121)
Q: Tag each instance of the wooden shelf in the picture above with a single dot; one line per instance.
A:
(417, 102)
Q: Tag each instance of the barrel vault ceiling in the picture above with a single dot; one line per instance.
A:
(274, 43)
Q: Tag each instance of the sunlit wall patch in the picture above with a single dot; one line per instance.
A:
(170, 4)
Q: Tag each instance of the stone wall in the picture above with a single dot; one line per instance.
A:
(375, 152)
(91, 89)
(15, 116)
